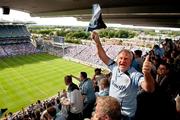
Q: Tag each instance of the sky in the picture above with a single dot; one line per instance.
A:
(64, 21)
(25, 17)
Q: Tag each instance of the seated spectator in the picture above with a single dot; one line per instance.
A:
(10, 116)
(107, 108)
(37, 115)
(104, 87)
(63, 93)
(3, 110)
(58, 105)
(51, 114)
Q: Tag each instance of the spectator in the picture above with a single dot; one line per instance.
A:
(125, 79)
(63, 93)
(3, 110)
(157, 51)
(107, 108)
(98, 75)
(75, 101)
(87, 90)
(134, 63)
(168, 46)
(96, 78)
(161, 102)
(138, 59)
(104, 87)
(166, 80)
(51, 114)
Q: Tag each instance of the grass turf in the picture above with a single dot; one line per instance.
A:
(25, 79)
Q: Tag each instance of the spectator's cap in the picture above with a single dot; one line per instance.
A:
(96, 20)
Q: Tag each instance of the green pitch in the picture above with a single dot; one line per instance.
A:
(25, 79)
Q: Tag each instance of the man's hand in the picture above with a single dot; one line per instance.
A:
(95, 37)
(148, 83)
(147, 66)
(100, 50)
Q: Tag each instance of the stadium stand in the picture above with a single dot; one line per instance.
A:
(15, 40)
(2, 52)
(87, 53)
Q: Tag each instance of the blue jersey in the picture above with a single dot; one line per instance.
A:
(124, 87)
(86, 88)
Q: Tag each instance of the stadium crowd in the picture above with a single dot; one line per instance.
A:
(139, 86)
(87, 54)
(17, 49)
(15, 40)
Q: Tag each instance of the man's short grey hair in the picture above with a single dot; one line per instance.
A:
(127, 51)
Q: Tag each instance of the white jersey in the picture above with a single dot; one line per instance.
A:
(76, 101)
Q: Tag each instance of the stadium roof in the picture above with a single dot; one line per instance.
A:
(157, 13)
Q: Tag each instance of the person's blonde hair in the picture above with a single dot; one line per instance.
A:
(105, 82)
(109, 106)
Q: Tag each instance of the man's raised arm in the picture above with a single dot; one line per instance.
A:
(101, 53)
(76, 78)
